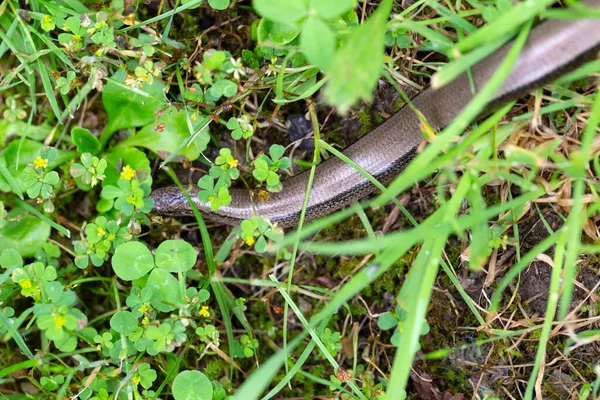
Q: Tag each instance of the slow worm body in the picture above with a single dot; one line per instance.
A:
(552, 49)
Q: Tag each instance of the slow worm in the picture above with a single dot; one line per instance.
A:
(553, 48)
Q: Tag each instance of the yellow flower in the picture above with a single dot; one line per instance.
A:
(232, 163)
(144, 307)
(249, 240)
(127, 172)
(204, 312)
(136, 379)
(131, 200)
(211, 199)
(145, 321)
(26, 283)
(47, 19)
(100, 232)
(40, 162)
(60, 321)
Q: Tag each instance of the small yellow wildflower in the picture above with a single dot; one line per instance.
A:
(76, 38)
(131, 200)
(144, 307)
(40, 162)
(145, 321)
(100, 232)
(47, 19)
(249, 240)
(136, 380)
(204, 312)
(127, 173)
(60, 321)
(26, 283)
(211, 200)
(232, 163)
(91, 31)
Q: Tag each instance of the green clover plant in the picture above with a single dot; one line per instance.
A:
(39, 182)
(265, 167)
(90, 171)
(256, 230)
(240, 127)
(129, 196)
(216, 194)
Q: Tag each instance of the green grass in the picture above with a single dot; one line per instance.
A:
(259, 315)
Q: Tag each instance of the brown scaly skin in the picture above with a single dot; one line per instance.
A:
(553, 48)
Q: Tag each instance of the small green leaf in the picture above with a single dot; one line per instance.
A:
(123, 322)
(317, 42)
(219, 4)
(282, 11)
(166, 292)
(120, 157)
(358, 62)
(127, 107)
(132, 260)
(277, 33)
(192, 385)
(10, 258)
(328, 9)
(173, 131)
(276, 151)
(85, 141)
(387, 321)
(175, 256)
(27, 234)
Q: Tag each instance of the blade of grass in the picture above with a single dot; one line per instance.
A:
(311, 176)
(425, 269)
(13, 333)
(414, 235)
(414, 172)
(298, 364)
(48, 89)
(508, 22)
(311, 331)
(44, 218)
(261, 378)
(575, 221)
(191, 4)
(12, 182)
(22, 365)
(368, 176)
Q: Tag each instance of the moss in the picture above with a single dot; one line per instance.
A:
(366, 121)
(215, 369)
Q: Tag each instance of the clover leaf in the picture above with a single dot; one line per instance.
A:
(216, 195)
(225, 167)
(265, 167)
(90, 171)
(240, 127)
(256, 230)
(129, 196)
